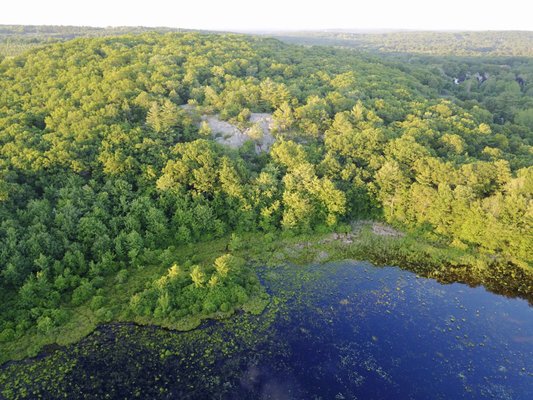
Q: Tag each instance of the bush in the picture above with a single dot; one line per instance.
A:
(97, 302)
(59, 316)
(104, 315)
(7, 335)
(122, 276)
(82, 293)
(235, 242)
(45, 324)
(98, 282)
(209, 307)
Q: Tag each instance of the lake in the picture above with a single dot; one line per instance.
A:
(344, 330)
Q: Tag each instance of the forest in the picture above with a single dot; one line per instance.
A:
(106, 167)
(16, 39)
(469, 43)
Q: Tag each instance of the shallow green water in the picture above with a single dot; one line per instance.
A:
(338, 331)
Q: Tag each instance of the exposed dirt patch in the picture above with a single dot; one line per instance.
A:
(321, 256)
(344, 238)
(378, 228)
(228, 134)
(264, 120)
(385, 230)
(224, 132)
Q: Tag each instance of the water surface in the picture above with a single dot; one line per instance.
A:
(337, 331)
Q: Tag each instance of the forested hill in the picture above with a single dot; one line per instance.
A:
(469, 43)
(103, 173)
(15, 39)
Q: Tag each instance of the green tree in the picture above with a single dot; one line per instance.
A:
(198, 276)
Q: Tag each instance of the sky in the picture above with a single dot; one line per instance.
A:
(245, 15)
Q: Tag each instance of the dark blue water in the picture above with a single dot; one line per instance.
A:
(383, 333)
(339, 331)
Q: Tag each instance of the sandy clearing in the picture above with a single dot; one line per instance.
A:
(230, 135)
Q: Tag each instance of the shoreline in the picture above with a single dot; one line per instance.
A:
(396, 249)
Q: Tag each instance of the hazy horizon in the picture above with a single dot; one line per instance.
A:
(269, 31)
(274, 16)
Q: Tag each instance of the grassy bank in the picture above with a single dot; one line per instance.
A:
(410, 252)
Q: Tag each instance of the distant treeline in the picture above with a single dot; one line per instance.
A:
(489, 43)
(15, 39)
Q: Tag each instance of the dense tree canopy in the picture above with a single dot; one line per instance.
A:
(101, 170)
(468, 43)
